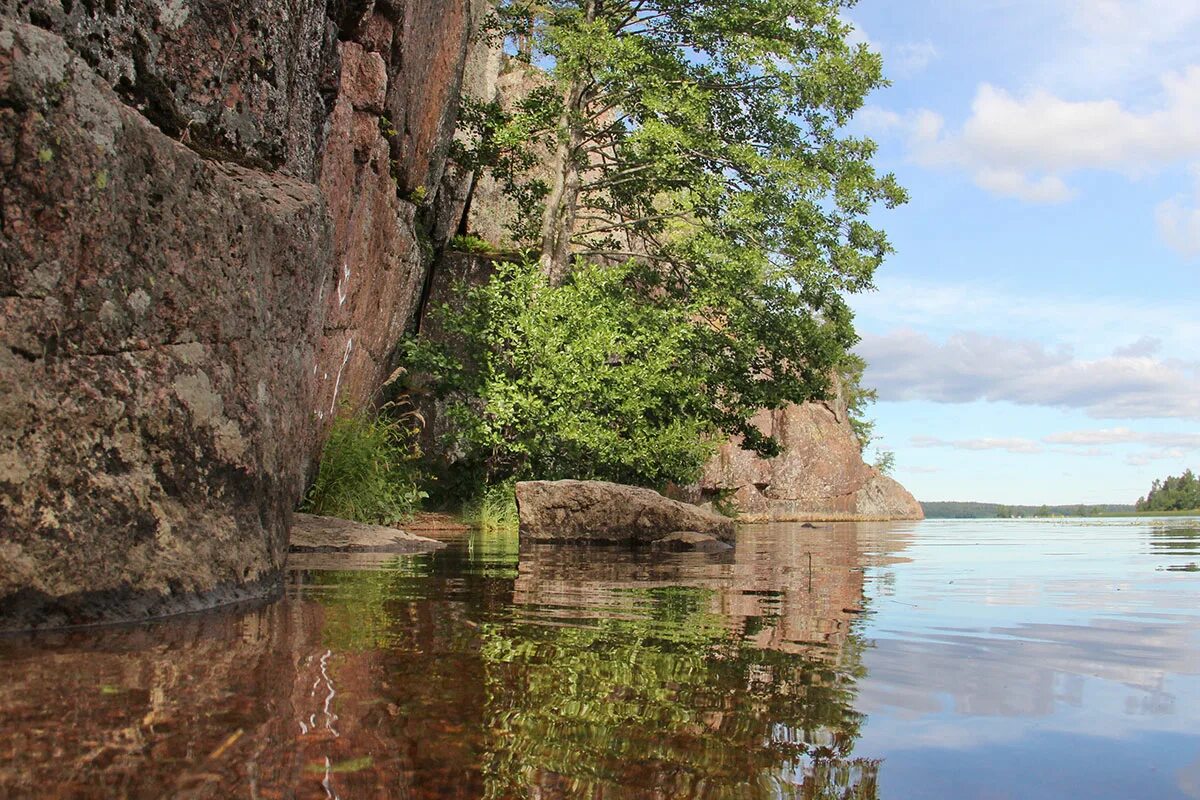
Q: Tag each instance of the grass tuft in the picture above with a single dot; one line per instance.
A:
(494, 509)
(368, 470)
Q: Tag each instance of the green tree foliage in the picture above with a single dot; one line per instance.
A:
(858, 398)
(969, 510)
(586, 379)
(1172, 494)
(702, 141)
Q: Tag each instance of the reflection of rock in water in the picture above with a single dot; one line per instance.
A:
(249, 704)
(196, 707)
(688, 675)
(785, 592)
(610, 675)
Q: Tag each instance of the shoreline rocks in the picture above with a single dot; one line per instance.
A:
(819, 474)
(611, 513)
(316, 534)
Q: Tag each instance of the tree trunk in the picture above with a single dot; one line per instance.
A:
(558, 221)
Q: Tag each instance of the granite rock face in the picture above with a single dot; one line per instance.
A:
(242, 82)
(598, 511)
(158, 316)
(211, 239)
(820, 474)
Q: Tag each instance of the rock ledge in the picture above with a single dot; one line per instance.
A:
(597, 511)
(315, 534)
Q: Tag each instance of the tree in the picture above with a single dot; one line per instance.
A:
(703, 141)
(580, 380)
(1172, 494)
(858, 397)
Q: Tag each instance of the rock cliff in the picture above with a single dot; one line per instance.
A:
(819, 475)
(216, 221)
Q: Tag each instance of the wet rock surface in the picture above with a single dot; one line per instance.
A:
(682, 541)
(316, 534)
(602, 512)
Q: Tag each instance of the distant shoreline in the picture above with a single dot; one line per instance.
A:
(949, 509)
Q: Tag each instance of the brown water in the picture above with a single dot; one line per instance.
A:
(966, 659)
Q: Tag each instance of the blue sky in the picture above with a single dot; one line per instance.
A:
(1035, 338)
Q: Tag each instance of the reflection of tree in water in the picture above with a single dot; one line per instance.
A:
(1181, 539)
(669, 703)
(602, 673)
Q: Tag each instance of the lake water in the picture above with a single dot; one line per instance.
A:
(944, 659)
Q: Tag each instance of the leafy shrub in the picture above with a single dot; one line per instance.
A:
(368, 469)
(885, 461)
(588, 379)
(494, 509)
(470, 244)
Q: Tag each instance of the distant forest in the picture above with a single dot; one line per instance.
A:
(956, 510)
(1172, 494)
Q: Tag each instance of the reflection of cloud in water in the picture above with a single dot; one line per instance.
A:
(1025, 670)
(1189, 779)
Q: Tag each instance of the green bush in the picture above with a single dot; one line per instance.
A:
(470, 244)
(494, 510)
(589, 379)
(369, 469)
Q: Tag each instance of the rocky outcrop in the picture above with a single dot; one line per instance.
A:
(597, 511)
(819, 475)
(158, 317)
(316, 534)
(213, 232)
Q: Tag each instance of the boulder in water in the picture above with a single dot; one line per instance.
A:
(598, 511)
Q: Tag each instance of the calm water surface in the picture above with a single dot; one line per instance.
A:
(956, 659)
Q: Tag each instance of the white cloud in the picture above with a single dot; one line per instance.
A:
(1145, 346)
(1087, 438)
(1012, 445)
(1179, 221)
(1011, 183)
(1115, 44)
(1023, 145)
(969, 366)
(1148, 456)
(909, 58)
(1095, 327)
(1086, 452)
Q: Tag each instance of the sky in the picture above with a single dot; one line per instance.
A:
(1036, 336)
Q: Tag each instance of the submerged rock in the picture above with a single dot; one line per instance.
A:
(691, 541)
(597, 511)
(316, 534)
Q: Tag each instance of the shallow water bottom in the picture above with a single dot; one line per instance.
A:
(965, 659)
